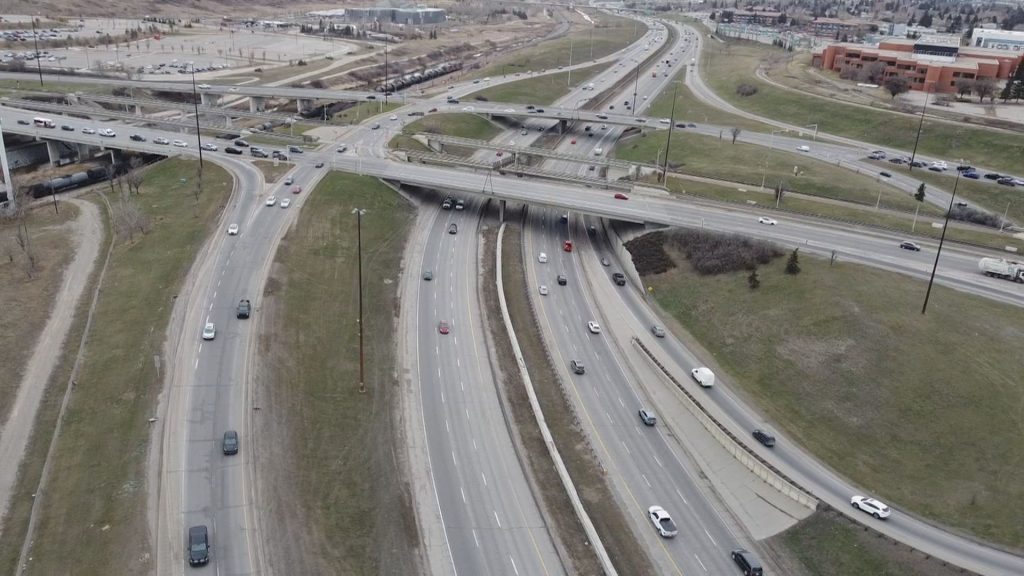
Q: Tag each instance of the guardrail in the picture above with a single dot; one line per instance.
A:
(519, 170)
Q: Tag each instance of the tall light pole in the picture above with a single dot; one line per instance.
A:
(386, 90)
(195, 103)
(920, 125)
(359, 248)
(35, 41)
(668, 143)
(942, 238)
(569, 81)
(636, 87)
(771, 141)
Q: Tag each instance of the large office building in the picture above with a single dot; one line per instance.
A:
(1007, 40)
(409, 16)
(932, 64)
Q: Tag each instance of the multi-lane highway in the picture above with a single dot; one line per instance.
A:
(201, 485)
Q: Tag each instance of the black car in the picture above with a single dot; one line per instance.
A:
(964, 168)
(230, 442)
(885, 174)
(896, 160)
(972, 175)
(530, 107)
(137, 138)
(24, 122)
(577, 367)
(935, 168)
(233, 150)
(198, 546)
(747, 562)
(453, 228)
(993, 176)
(562, 280)
(453, 100)
(764, 437)
(319, 165)
(371, 97)
(680, 125)
(908, 245)
(540, 110)
(1006, 181)
(244, 309)
(619, 278)
(241, 143)
(917, 164)
(67, 128)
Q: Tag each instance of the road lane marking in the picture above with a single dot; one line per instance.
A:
(514, 565)
(442, 397)
(475, 539)
(474, 444)
(621, 403)
(197, 358)
(680, 494)
(454, 461)
(484, 476)
(626, 447)
(464, 495)
(447, 427)
(609, 418)
(462, 385)
(710, 538)
(496, 519)
(660, 465)
(646, 481)
(699, 562)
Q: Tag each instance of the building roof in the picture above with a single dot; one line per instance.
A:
(962, 62)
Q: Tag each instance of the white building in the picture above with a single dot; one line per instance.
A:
(1008, 40)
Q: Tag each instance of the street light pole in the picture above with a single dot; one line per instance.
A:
(195, 103)
(359, 247)
(942, 238)
(668, 142)
(920, 125)
(385, 71)
(35, 40)
(568, 82)
(636, 86)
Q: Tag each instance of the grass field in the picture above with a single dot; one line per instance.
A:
(828, 544)
(363, 110)
(611, 34)
(272, 171)
(94, 515)
(850, 213)
(541, 90)
(346, 513)
(841, 358)
(27, 301)
(750, 164)
(690, 109)
(459, 124)
(593, 486)
(730, 64)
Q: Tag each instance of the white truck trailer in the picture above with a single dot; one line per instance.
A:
(1000, 268)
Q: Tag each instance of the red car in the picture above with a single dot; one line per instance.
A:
(442, 327)
(573, 141)
(432, 110)
(621, 196)
(500, 153)
(296, 189)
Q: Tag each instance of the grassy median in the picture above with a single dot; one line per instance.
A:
(911, 407)
(93, 518)
(540, 90)
(273, 169)
(325, 452)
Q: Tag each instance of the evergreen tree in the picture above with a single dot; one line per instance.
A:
(793, 264)
(920, 193)
(754, 281)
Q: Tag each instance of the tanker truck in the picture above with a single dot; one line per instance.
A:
(1005, 269)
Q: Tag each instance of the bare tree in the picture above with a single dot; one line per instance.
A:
(964, 86)
(896, 85)
(735, 134)
(134, 175)
(985, 88)
(129, 218)
(19, 213)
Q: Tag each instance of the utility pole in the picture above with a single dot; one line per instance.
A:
(35, 40)
(569, 81)
(668, 143)
(195, 103)
(636, 86)
(931, 280)
(920, 125)
(386, 71)
(359, 247)
(591, 42)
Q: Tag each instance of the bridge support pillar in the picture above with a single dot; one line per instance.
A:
(207, 99)
(563, 125)
(138, 110)
(227, 120)
(257, 103)
(304, 104)
(501, 210)
(52, 152)
(435, 145)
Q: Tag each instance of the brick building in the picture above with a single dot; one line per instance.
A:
(927, 64)
(834, 27)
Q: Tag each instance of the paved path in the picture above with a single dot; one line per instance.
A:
(88, 233)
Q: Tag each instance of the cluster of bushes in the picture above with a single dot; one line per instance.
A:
(649, 256)
(746, 89)
(973, 215)
(718, 253)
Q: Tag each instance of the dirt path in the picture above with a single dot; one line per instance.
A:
(88, 233)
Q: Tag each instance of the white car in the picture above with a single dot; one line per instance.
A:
(163, 141)
(594, 327)
(88, 131)
(210, 147)
(871, 506)
(665, 121)
(286, 202)
(766, 220)
(180, 143)
(804, 148)
(232, 89)
(543, 290)
(209, 331)
(271, 200)
(662, 522)
(542, 258)
(341, 148)
(509, 110)
(233, 230)
(703, 376)
(203, 86)
(393, 118)
(107, 132)
(468, 109)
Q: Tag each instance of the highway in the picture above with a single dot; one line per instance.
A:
(212, 400)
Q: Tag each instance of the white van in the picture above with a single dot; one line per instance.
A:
(703, 376)
(598, 151)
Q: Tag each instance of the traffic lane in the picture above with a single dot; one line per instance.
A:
(646, 466)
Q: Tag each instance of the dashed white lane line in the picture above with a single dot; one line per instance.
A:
(609, 418)
(625, 447)
(442, 397)
(701, 563)
(621, 403)
(463, 494)
(512, 560)
(474, 443)
(646, 481)
(462, 385)
(680, 494)
(710, 538)
(447, 428)
(484, 476)
(475, 539)
(197, 364)
(454, 461)
(496, 519)
(660, 465)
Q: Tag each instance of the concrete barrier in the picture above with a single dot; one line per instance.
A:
(556, 458)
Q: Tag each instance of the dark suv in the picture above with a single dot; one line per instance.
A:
(244, 309)
(577, 367)
(198, 546)
(619, 278)
(230, 443)
(764, 437)
(747, 562)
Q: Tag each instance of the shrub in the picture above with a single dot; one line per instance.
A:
(968, 214)
(746, 89)
(649, 256)
(718, 253)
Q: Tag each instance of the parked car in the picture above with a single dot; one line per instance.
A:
(764, 437)
(871, 506)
